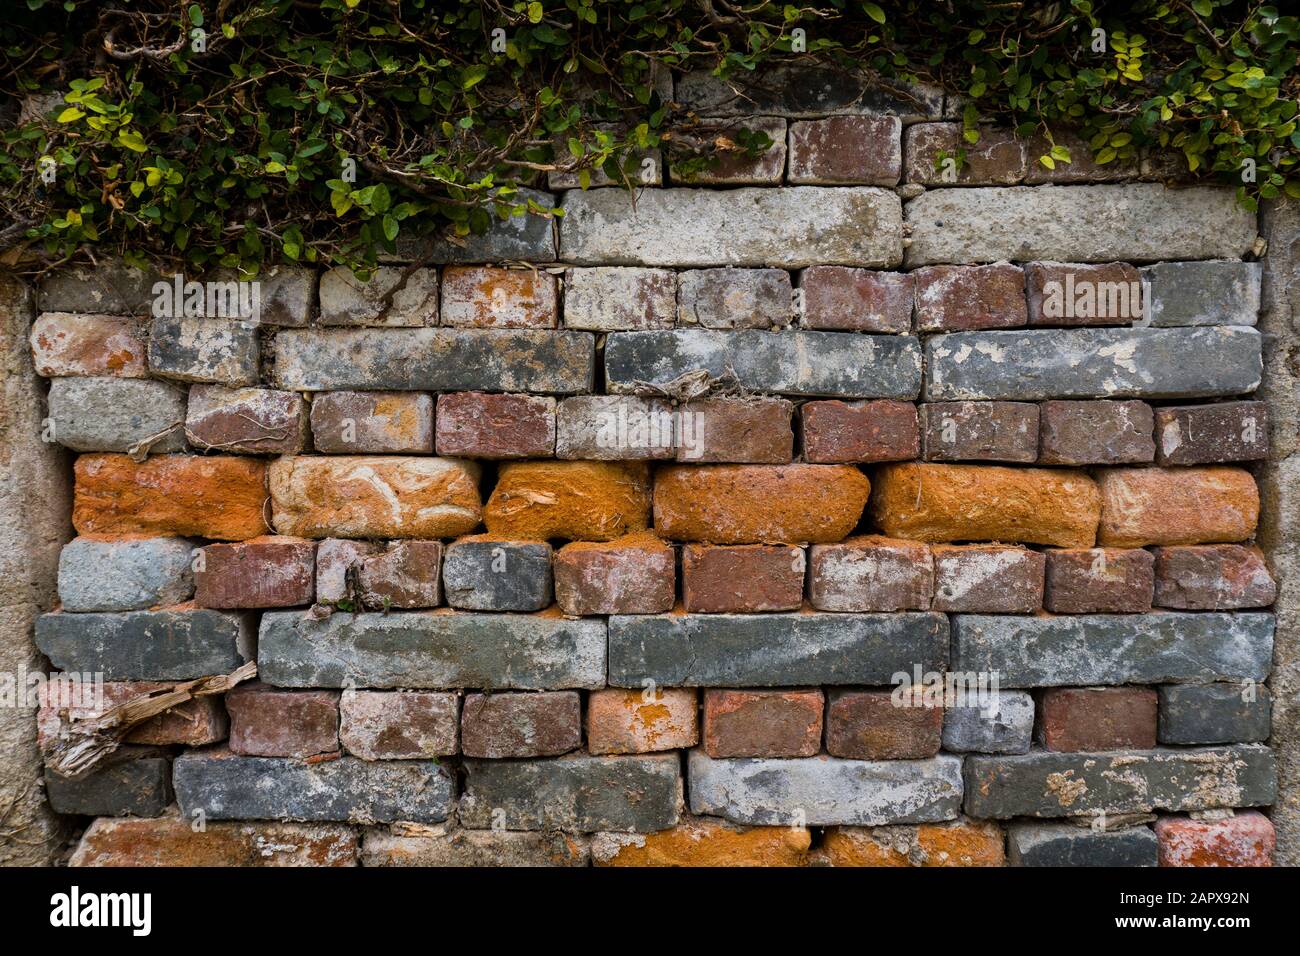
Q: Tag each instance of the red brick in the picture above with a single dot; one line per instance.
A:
(999, 158)
(521, 725)
(980, 431)
(195, 723)
(64, 345)
(870, 573)
(372, 423)
(969, 297)
(845, 299)
(172, 841)
(1212, 577)
(1097, 718)
(642, 721)
(846, 150)
(729, 164)
(1065, 294)
(762, 723)
(880, 430)
(484, 297)
(1095, 433)
(882, 725)
(483, 425)
(269, 571)
(741, 579)
(1099, 581)
(1244, 839)
(744, 431)
(266, 721)
(246, 420)
(407, 575)
(987, 579)
(399, 725)
(634, 574)
(1205, 434)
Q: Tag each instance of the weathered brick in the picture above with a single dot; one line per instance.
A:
(131, 782)
(639, 794)
(1244, 839)
(773, 650)
(635, 574)
(521, 725)
(1095, 433)
(939, 502)
(739, 430)
(786, 228)
(643, 167)
(266, 721)
(1034, 364)
(884, 430)
(407, 575)
(374, 497)
(437, 649)
(700, 841)
(1203, 434)
(269, 571)
(372, 423)
(1082, 167)
(388, 725)
(479, 425)
(882, 725)
(445, 845)
(195, 723)
(840, 298)
(144, 645)
(641, 721)
(825, 791)
(969, 297)
(172, 841)
(1126, 223)
(221, 497)
(334, 558)
(959, 843)
(1212, 577)
(484, 573)
(1046, 784)
(762, 723)
(1214, 713)
(1073, 719)
(435, 360)
(1099, 580)
(246, 420)
(615, 428)
(1141, 506)
(124, 574)
(1068, 844)
(227, 786)
(730, 164)
(987, 579)
(1203, 293)
(758, 504)
(833, 364)
(286, 294)
(110, 286)
(346, 300)
(484, 297)
(979, 431)
(577, 500)
(930, 156)
(508, 238)
(735, 298)
(741, 579)
(116, 414)
(1076, 650)
(870, 573)
(1070, 294)
(614, 298)
(204, 350)
(68, 344)
(846, 150)
(1001, 724)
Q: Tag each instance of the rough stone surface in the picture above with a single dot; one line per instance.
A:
(526, 238)
(635, 574)
(346, 300)
(735, 298)
(482, 297)
(1099, 580)
(496, 574)
(266, 721)
(844, 299)
(172, 841)
(70, 344)
(110, 286)
(763, 723)
(1067, 844)
(979, 431)
(1212, 577)
(1003, 724)
(884, 430)
(1214, 713)
(1141, 506)
(846, 150)
(641, 721)
(387, 725)
(125, 574)
(1097, 718)
(1244, 839)
(615, 299)
(115, 414)
(287, 294)
(577, 500)
(741, 579)
(195, 723)
(1201, 434)
(1203, 293)
(372, 423)
(334, 558)
(870, 573)
(1095, 433)
(246, 420)
(144, 645)
(262, 572)
(204, 350)
(806, 89)
(521, 725)
(444, 845)
(987, 579)
(969, 297)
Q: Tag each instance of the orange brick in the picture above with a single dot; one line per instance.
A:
(1141, 506)
(641, 722)
(1245, 839)
(699, 841)
(484, 297)
(958, 843)
(577, 500)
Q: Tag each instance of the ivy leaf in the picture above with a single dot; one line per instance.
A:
(873, 11)
(390, 228)
(535, 13)
(132, 140)
(70, 115)
(473, 75)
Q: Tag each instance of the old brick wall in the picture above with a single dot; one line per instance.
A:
(621, 539)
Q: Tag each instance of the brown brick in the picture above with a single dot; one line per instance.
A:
(870, 573)
(999, 158)
(979, 431)
(743, 431)
(762, 723)
(1082, 719)
(844, 299)
(1142, 506)
(881, 430)
(407, 575)
(221, 497)
(969, 297)
(956, 843)
(846, 150)
(269, 571)
(1205, 434)
(987, 579)
(246, 420)
(1212, 577)
(521, 725)
(939, 502)
(334, 558)
(634, 574)
(758, 504)
(1099, 581)
(266, 721)
(195, 723)
(399, 725)
(577, 500)
(482, 425)
(64, 345)
(704, 841)
(484, 297)
(741, 579)
(871, 725)
(1095, 433)
(372, 423)
(1245, 839)
(1066, 294)
(642, 721)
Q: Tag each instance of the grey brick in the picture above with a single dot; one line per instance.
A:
(1068, 844)
(144, 645)
(286, 294)
(484, 575)
(735, 298)
(125, 574)
(1214, 713)
(614, 298)
(1203, 293)
(113, 414)
(806, 89)
(109, 286)
(1004, 726)
(527, 238)
(346, 300)
(615, 428)
(204, 350)
(447, 845)
(1093, 363)
(133, 781)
